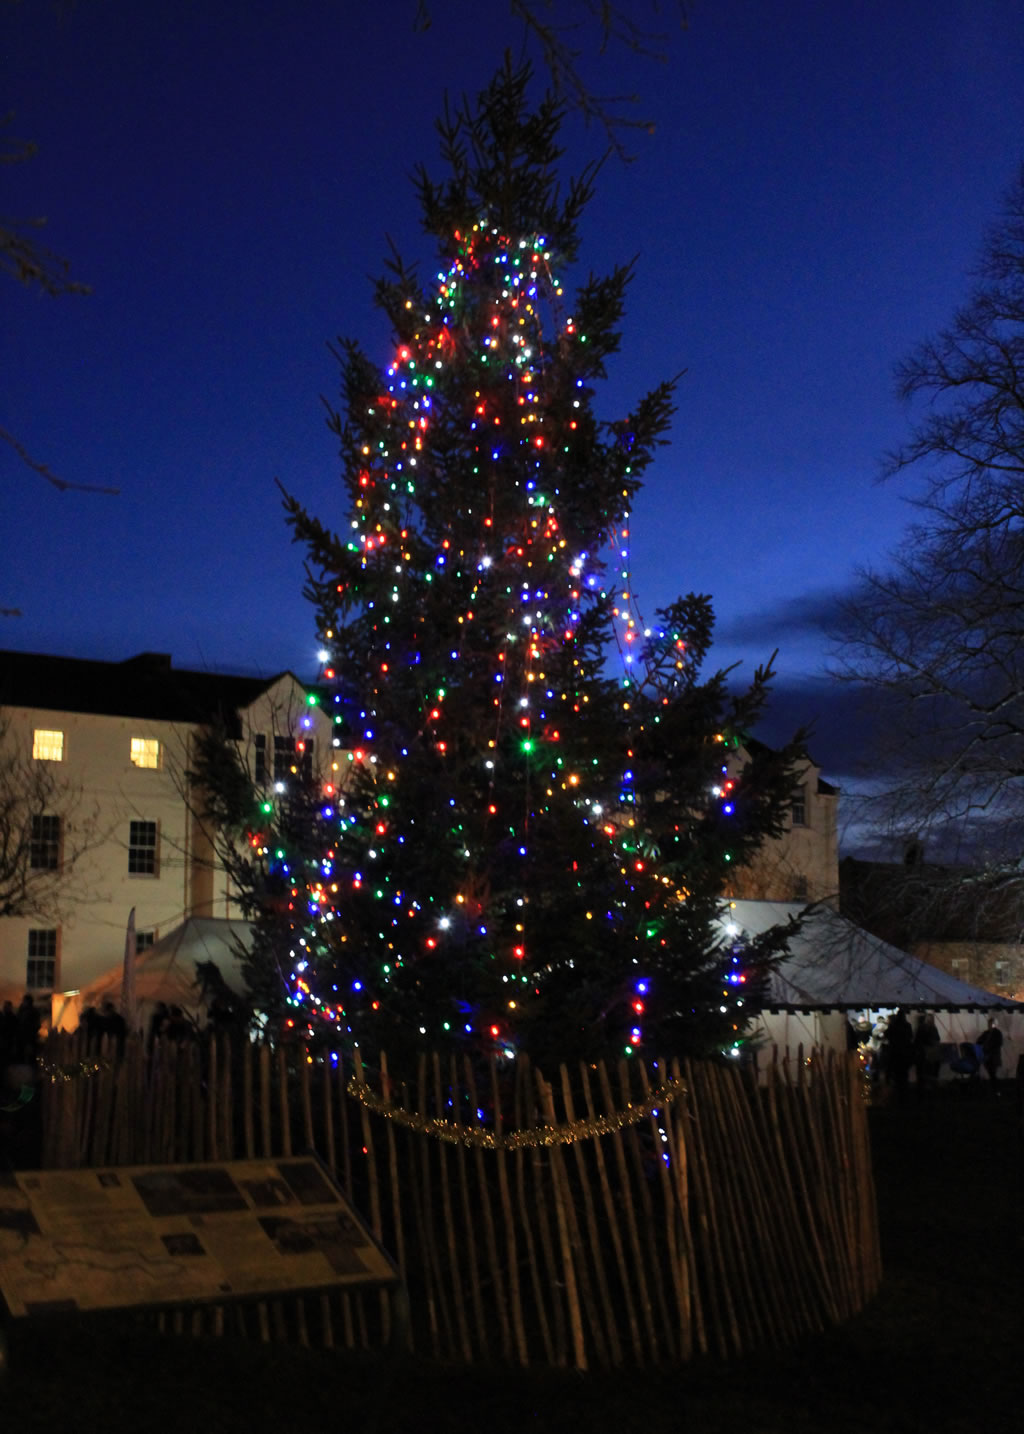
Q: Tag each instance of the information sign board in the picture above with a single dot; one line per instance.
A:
(125, 1237)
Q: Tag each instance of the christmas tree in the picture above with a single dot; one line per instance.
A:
(533, 813)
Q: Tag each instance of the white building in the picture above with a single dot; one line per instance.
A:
(95, 756)
(802, 864)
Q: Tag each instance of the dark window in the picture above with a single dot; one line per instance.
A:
(41, 972)
(144, 940)
(798, 807)
(800, 888)
(44, 848)
(259, 755)
(142, 849)
(304, 748)
(284, 758)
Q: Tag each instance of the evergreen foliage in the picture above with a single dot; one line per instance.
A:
(523, 851)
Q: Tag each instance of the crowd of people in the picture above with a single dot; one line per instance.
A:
(20, 1029)
(894, 1048)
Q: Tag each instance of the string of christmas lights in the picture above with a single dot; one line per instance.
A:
(513, 845)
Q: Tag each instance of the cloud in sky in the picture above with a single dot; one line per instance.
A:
(843, 722)
(811, 616)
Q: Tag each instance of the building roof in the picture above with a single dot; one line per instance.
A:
(825, 789)
(146, 686)
(833, 964)
(167, 971)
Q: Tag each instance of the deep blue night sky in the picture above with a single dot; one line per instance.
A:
(226, 175)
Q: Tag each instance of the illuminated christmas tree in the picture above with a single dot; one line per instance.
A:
(532, 820)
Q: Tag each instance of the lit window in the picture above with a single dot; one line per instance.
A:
(44, 843)
(1002, 973)
(142, 850)
(41, 971)
(145, 752)
(47, 746)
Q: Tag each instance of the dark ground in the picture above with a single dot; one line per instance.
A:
(939, 1349)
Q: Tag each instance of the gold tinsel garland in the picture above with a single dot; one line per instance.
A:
(74, 1070)
(447, 1130)
(474, 1135)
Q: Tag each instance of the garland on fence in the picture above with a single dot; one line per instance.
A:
(475, 1135)
(74, 1070)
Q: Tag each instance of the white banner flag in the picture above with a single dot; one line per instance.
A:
(129, 1006)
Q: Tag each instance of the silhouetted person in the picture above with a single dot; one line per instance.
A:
(220, 1015)
(991, 1043)
(177, 1027)
(111, 1025)
(157, 1023)
(89, 1022)
(899, 1051)
(8, 1034)
(927, 1051)
(27, 1033)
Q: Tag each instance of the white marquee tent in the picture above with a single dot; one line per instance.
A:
(166, 971)
(835, 970)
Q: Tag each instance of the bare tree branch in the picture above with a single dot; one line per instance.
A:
(61, 484)
(939, 635)
(46, 831)
(562, 40)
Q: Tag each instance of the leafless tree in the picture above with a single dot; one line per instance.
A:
(563, 30)
(47, 828)
(25, 258)
(940, 633)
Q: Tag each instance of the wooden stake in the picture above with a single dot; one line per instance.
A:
(610, 1330)
(525, 1209)
(678, 1127)
(248, 1104)
(627, 1209)
(451, 1241)
(719, 1301)
(283, 1103)
(647, 1223)
(515, 1289)
(500, 1300)
(562, 1220)
(265, 1101)
(468, 1223)
(678, 1272)
(442, 1327)
(612, 1215)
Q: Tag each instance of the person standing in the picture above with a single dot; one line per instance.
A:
(927, 1052)
(899, 1051)
(991, 1043)
(29, 1023)
(8, 1034)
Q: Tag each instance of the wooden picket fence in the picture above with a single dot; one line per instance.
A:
(637, 1215)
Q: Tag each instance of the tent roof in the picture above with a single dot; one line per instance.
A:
(166, 971)
(834, 963)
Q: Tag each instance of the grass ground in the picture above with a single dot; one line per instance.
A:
(938, 1351)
